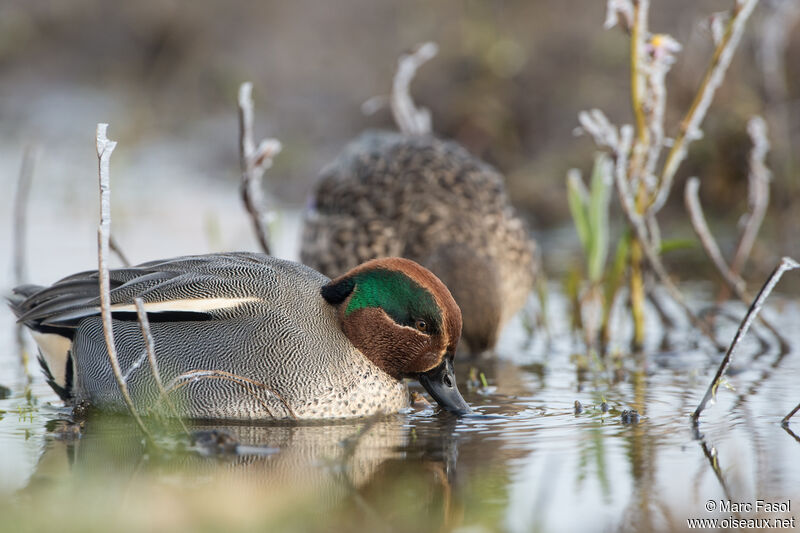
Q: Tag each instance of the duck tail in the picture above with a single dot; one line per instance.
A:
(54, 343)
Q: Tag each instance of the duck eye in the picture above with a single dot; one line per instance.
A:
(421, 325)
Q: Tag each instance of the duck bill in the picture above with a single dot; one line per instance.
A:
(440, 382)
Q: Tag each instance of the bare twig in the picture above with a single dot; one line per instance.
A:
(251, 386)
(637, 222)
(700, 226)
(619, 144)
(29, 158)
(409, 118)
(787, 263)
(785, 421)
(104, 149)
(254, 162)
(115, 247)
(616, 9)
(638, 37)
(758, 188)
(732, 279)
(690, 125)
(149, 344)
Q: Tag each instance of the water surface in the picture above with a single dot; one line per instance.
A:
(525, 462)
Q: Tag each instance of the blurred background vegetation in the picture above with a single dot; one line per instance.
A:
(508, 83)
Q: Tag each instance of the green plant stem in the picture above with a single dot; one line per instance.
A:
(638, 33)
(637, 294)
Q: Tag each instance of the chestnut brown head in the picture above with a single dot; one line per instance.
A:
(404, 320)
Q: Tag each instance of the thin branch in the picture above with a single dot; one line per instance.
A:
(115, 247)
(661, 51)
(758, 188)
(715, 74)
(149, 344)
(616, 9)
(787, 263)
(411, 120)
(785, 421)
(248, 384)
(104, 149)
(254, 162)
(605, 135)
(29, 158)
(731, 278)
(700, 226)
(638, 89)
(637, 222)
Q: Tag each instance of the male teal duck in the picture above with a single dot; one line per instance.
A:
(429, 200)
(246, 336)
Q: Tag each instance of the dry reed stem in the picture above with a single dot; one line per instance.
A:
(248, 384)
(605, 135)
(758, 192)
(785, 421)
(411, 120)
(115, 247)
(731, 278)
(22, 192)
(149, 343)
(254, 162)
(23, 189)
(786, 263)
(638, 80)
(690, 125)
(637, 222)
(710, 245)
(104, 149)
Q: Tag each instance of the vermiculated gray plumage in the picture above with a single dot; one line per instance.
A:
(237, 336)
(428, 200)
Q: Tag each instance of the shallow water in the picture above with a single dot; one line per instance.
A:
(525, 462)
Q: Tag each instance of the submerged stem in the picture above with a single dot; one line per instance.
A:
(787, 263)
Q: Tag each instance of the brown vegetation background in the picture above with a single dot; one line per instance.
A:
(508, 83)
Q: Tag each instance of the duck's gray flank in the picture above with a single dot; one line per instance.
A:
(273, 350)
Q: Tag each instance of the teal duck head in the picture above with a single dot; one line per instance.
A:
(404, 320)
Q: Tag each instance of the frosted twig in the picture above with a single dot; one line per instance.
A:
(29, 158)
(117, 249)
(638, 36)
(709, 243)
(616, 9)
(785, 421)
(409, 118)
(787, 263)
(254, 162)
(150, 348)
(758, 192)
(602, 131)
(716, 25)
(661, 56)
(715, 74)
(24, 179)
(637, 222)
(249, 384)
(700, 226)
(104, 149)
(605, 135)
